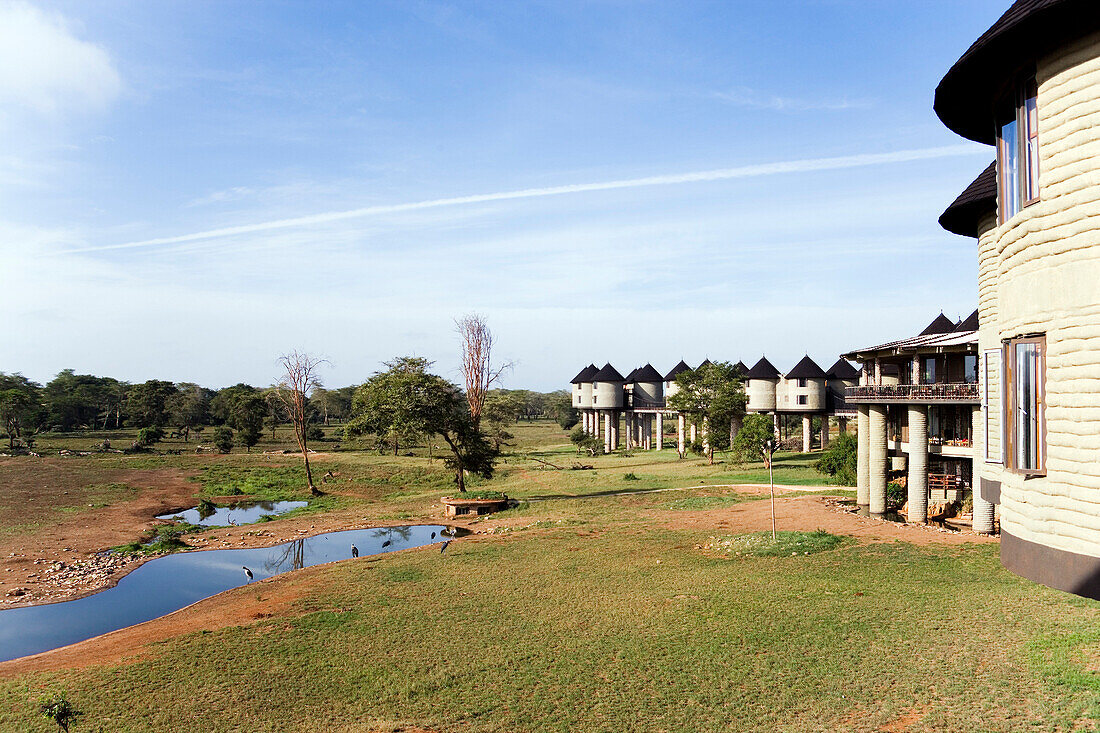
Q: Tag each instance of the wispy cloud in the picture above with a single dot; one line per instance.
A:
(45, 68)
(747, 97)
(809, 165)
(218, 197)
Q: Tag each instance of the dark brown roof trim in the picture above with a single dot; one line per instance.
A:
(941, 324)
(806, 369)
(979, 199)
(1028, 30)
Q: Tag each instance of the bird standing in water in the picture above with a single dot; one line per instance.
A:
(444, 547)
(354, 551)
(247, 573)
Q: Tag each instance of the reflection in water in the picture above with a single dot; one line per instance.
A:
(208, 514)
(168, 583)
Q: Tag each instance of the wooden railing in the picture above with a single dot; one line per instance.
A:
(949, 392)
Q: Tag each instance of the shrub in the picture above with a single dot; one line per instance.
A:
(839, 460)
(896, 495)
(223, 438)
(148, 437)
(315, 432)
(59, 710)
(585, 443)
(630, 477)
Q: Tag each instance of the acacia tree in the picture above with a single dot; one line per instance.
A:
(711, 394)
(406, 398)
(292, 390)
(21, 410)
(478, 371)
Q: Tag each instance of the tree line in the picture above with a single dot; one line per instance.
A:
(84, 402)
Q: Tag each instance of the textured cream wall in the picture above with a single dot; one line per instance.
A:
(1040, 273)
(648, 390)
(788, 391)
(607, 395)
(760, 394)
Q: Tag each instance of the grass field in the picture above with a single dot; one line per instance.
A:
(600, 613)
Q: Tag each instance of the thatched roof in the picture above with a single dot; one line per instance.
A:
(763, 369)
(585, 375)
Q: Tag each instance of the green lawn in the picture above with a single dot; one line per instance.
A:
(594, 615)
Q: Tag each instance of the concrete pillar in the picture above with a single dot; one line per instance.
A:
(630, 420)
(878, 372)
(606, 431)
(918, 463)
(824, 432)
(807, 430)
(863, 456)
(914, 377)
(660, 431)
(642, 422)
(648, 432)
(706, 436)
(615, 430)
(775, 425)
(983, 510)
(841, 425)
(694, 433)
(681, 445)
(877, 465)
(735, 428)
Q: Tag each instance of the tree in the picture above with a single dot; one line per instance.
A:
(390, 403)
(147, 438)
(712, 395)
(221, 404)
(502, 409)
(223, 438)
(147, 403)
(293, 390)
(751, 441)
(189, 408)
(246, 416)
(22, 413)
(559, 405)
(839, 460)
(478, 371)
(405, 398)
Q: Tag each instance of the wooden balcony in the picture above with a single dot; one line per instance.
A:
(955, 393)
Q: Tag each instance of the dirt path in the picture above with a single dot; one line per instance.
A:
(57, 560)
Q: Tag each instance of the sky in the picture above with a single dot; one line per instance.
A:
(189, 190)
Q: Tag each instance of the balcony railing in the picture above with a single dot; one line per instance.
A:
(955, 392)
(641, 403)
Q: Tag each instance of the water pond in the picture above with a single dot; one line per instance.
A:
(245, 512)
(169, 583)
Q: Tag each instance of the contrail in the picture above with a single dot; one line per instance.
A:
(720, 174)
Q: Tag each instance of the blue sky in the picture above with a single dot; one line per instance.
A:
(190, 189)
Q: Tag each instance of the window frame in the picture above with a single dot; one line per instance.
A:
(1020, 108)
(1009, 410)
(992, 359)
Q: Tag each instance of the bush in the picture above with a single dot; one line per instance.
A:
(839, 460)
(315, 432)
(896, 495)
(223, 438)
(585, 443)
(630, 477)
(59, 710)
(148, 437)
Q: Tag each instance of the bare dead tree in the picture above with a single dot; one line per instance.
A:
(478, 371)
(293, 391)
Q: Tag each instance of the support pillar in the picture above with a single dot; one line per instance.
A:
(660, 431)
(863, 456)
(824, 432)
(706, 436)
(641, 431)
(694, 433)
(735, 428)
(877, 466)
(607, 431)
(680, 442)
(917, 481)
(648, 419)
(630, 419)
(807, 432)
(983, 510)
(841, 425)
(615, 430)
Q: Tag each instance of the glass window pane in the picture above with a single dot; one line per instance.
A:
(1027, 406)
(1009, 177)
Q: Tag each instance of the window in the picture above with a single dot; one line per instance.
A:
(802, 399)
(1018, 151)
(802, 384)
(970, 368)
(928, 374)
(1025, 420)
